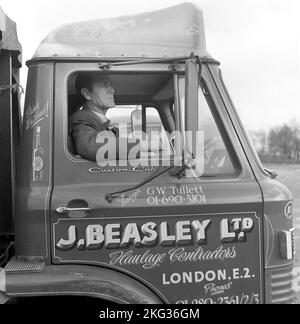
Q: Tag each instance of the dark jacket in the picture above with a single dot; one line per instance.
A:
(84, 126)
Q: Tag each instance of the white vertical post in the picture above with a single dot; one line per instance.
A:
(2, 280)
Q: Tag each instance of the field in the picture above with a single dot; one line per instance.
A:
(290, 176)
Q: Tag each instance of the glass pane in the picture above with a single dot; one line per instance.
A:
(121, 117)
(217, 159)
(98, 119)
(156, 133)
(129, 121)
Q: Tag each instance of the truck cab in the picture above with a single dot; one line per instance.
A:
(197, 221)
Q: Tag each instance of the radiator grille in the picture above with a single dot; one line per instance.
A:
(282, 286)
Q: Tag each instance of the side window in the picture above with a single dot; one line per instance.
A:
(121, 117)
(154, 123)
(129, 120)
(218, 160)
(156, 131)
(103, 108)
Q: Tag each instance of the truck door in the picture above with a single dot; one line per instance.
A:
(196, 240)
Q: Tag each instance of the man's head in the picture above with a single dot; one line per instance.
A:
(96, 89)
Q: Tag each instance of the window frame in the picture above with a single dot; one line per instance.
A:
(236, 164)
(232, 153)
(75, 159)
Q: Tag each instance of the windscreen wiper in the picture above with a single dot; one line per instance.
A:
(178, 172)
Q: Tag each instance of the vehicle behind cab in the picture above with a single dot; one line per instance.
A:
(193, 218)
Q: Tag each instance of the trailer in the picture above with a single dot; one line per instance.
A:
(10, 120)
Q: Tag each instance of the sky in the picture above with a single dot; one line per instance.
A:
(256, 41)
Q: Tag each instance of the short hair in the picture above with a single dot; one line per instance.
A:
(86, 80)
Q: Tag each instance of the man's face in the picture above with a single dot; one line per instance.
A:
(102, 94)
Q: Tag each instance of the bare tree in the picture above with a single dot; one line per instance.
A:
(260, 141)
(296, 141)
(285, 141)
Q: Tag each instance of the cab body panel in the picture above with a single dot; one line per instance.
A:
(144, 227)
(156, 224)
(277, 209)
(222, 237)
(34, 186)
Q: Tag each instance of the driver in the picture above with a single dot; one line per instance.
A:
(90, 121)
(97, 92)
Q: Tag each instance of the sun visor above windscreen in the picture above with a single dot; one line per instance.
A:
(171, 32)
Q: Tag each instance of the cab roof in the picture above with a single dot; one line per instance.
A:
(171, 32)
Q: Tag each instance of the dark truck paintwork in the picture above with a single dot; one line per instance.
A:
(188, 240)
(10, 62)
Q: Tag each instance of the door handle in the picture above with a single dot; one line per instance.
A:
(66, 210)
